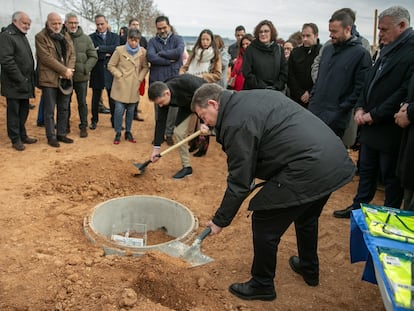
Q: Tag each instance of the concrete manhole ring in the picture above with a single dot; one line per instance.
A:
(117, 215)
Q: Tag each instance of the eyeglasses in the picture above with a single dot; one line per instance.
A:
(264, 31)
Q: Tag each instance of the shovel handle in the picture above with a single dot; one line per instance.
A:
(185, 140)
(203, 234)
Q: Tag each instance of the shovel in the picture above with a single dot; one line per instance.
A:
(142, 166)
(192, 254)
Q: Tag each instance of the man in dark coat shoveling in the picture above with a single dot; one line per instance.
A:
(268, 136)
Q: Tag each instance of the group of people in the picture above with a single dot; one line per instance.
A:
(292, 143)
(67, 60)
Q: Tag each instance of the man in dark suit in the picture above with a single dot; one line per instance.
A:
(105, 43)
(384, 90)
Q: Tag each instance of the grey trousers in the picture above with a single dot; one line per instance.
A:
(53, 97)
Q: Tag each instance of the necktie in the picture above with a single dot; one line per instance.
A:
(102, 35)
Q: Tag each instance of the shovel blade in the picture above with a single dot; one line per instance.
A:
(195, 257)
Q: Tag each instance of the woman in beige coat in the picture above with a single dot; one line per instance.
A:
(129, 67)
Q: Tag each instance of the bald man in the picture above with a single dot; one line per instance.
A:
(55, 60)
(17, 78)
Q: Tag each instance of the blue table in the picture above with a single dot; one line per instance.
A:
(363, 248)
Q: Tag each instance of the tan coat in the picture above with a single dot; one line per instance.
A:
(128, 72)
(49, 66)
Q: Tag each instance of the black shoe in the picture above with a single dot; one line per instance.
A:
(310, 279)
(64, 139)
(129, 137)
(53, 142)
(344, 213)
(29, 140)
(247, 292)
(137, 118)
(201, 152)
(104, 110)
(83, 132)
(169, 140)
(31, 106)
(18, 146)
(92, 126)
(185, 171)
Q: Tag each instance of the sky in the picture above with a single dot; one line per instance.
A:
(288, 16)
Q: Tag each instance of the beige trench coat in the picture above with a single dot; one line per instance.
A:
(128, 72)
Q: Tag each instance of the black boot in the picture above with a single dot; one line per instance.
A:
(202, 150)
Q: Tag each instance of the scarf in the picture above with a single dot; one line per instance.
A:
(201, 62)
(60, 44)
(130, 50)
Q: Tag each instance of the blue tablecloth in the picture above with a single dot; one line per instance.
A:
(363, 248)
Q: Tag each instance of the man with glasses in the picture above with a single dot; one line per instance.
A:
(86, 58)
(165, 52)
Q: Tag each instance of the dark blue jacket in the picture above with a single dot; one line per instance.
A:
(386, 87)
(341, 75)
(165, 57)
(100, 75)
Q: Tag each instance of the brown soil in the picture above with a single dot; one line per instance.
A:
(47, 263)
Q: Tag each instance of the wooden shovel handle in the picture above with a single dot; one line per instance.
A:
(185, 140)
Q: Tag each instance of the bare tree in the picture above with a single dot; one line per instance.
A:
(145, 11)
(85, 8)
(118, 12)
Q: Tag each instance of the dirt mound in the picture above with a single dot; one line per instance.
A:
(48, 263)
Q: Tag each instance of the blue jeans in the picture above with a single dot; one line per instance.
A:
(371, 163)
(119, 113)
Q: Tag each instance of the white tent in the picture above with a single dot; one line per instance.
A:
(37, 11)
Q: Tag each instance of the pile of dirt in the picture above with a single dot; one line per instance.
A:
(48, 263)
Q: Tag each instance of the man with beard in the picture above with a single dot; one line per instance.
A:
(86, 58)
(385, 89)
(55, 63)
(165, 52)
(342, 70)
(17, 78)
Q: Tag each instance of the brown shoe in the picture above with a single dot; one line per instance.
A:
(83, 132)
(29, 140)
(53, 142)
(169, 140)
(18, 146)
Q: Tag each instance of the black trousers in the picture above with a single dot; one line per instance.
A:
(96, 97)
(269, 226)
(17, 113)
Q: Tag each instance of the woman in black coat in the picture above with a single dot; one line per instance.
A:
(264, 63)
